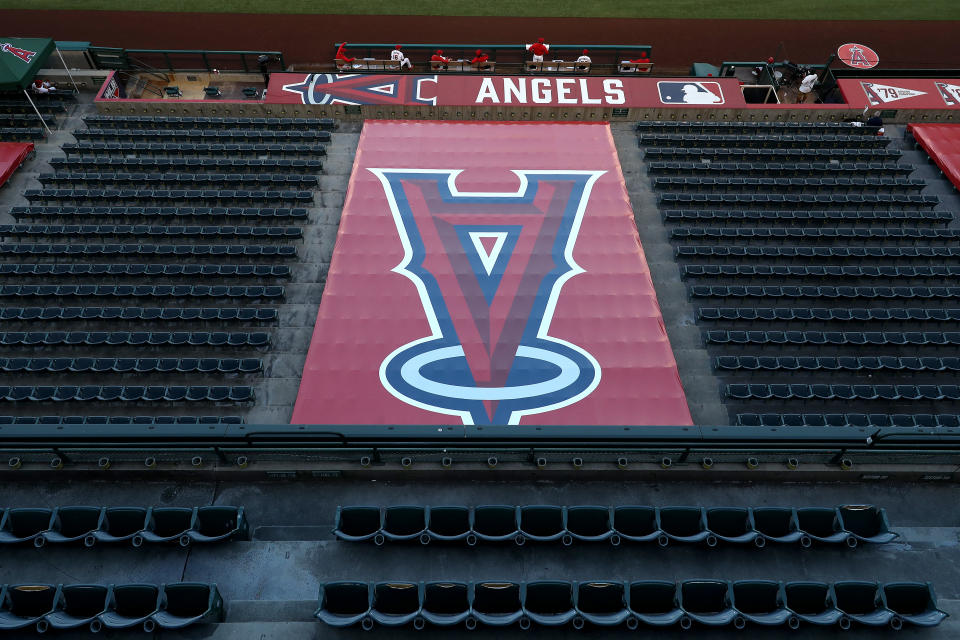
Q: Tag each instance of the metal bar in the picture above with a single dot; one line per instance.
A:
(70, 75)
(39, 115)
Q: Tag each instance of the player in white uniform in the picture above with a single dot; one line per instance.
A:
(397, 56)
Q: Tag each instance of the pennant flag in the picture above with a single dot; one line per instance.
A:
(883, 93)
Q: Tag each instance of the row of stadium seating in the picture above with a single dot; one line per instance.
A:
(757, 154)
(192, 148)
(193, 164)
(187, 195)
(64, 420)
(817, 200)
(826, 314)
(51, 106)
(834, 293)
(166, 179)
(720, 251)
(96, 607)
(135, 338)
(265, 251)
(208, 135)
(848, 525)
(712, 183)
(817, 271)
(143, 314)
(833, 338)
(653, 603)
(130, 269)
(139, 291)
(87, 393)
(782, 170)
(780, 233)
(851, 216)
(759, 141)
(861, 420)
(188, 122)
(21, 133)
(706, 126)
(843, 392)
(160, 213)
(25, 120)
(135, 525)
(830, 363)
(131, 365)
(117, 230)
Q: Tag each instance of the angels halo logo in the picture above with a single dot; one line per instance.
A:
(488, 268)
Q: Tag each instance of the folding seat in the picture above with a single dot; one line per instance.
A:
(496, 523)
(402, 523)
(589, 523)
(541, 523)
(749, 420)
(908, 392)
(738, 391)
(682, 524)
(45, 394)
(237, 394)
(733, 525)
(655, 602)
(950, 391)
(760, 601)
(445, 603)
(130, 605)
(356, 524)
(861, 602)
(912, 602)
(449, 524)
(863, 392)
(822, 525)
(708, 602)
(72, 524)
(811, 602)
(601, 603)
(78, 605)
(866, 523)
(24, 525)
(635, 523)
(929, 392)
(168, 524)
(26, 605)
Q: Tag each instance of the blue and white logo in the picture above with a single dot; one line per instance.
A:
(488, 268)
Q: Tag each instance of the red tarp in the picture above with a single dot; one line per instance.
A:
(489, 273)
(12, 155)
(486, 90)
(942, 142)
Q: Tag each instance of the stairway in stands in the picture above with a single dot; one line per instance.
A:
(822, 264)
(166, 269)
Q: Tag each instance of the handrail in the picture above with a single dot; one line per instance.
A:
(460, 436)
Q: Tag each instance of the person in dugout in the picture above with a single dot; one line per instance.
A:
(342, 57)
(539, 49)
(438, 57)
(584, 61)
(480, 60)
(397, 56)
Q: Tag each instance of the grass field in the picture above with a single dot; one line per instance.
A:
(734, 9)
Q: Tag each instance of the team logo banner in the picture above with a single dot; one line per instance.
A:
(690, 92)
(358, 88)
(879, 94)
(503, 286)
(24, 54)
(858, 56)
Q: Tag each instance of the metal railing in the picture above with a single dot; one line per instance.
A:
(306, 446)
(184, 59)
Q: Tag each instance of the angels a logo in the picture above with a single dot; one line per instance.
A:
(358, 89)
(23, 54)
(488, 268)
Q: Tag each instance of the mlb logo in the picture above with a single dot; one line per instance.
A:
(690, 92)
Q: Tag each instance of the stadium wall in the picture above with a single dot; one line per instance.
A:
(676, 43)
